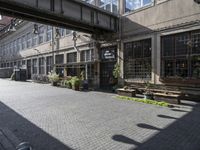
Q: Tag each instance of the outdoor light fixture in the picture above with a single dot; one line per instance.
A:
(12, 26)
(74, 38)
(57, 34)
(35, 29)
(197, 1)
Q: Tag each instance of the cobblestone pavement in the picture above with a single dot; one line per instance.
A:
(61, 119)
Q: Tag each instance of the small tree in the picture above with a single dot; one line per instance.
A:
(116, 71)
(82, 75)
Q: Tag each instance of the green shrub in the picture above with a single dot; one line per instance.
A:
(68, 83)
(147, 101)
(75, 82)
(116, 71)
(53, 77)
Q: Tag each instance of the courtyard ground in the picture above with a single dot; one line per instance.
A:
(53, 118)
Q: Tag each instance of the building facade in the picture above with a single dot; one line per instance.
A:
(158, 41)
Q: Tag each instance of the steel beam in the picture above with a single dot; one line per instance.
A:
(72, 14)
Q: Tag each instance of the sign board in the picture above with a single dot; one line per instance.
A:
(108, 53)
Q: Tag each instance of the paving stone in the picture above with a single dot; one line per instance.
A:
(53, 118)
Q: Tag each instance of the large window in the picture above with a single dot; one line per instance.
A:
(49, 33)
(68, 31)
(19, 44)
(87, 55)
(41, 65)
(34, 66)
(181, 55)
(41, 34)
(49, 64)
(34, 40)
(90, 1)
(72, 57)
(62, 32)
(60, 59)
(136, 4)
(28, 43)
(23, 42)
(109, 5)
(137, 60)
(15, 46)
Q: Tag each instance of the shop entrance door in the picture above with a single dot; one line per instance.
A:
(106, 75)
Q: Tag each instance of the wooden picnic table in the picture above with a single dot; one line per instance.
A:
(162, 91)
(171, 98)
(126, 92)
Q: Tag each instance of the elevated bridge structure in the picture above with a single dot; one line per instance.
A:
(71, 14)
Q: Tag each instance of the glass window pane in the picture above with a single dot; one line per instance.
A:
(195, 42)
(168, 46)
(181, 44)
(137, 60)
(136, 4)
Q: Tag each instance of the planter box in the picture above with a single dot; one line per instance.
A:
(126, 92)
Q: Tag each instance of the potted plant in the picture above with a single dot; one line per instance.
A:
(75, 82)
(84, 82)
(68, 84)
(53, 78)
(148, 94)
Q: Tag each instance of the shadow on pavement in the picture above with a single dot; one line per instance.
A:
(179, 110)
(166, 117)
(24, 130)
(146, 126)
(124, 139)
(182, 134)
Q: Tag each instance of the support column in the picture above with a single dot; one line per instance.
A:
(158, 60)
(38, 64)
(31, 68)
(121, 6)
(78, 60)
(120, 60)
(96, 66)
(65, 62)
(45, 65)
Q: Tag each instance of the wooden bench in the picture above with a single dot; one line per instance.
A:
(171, 98)
(162, 91)
(126, 92)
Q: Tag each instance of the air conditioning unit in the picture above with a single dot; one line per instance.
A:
(197, 1)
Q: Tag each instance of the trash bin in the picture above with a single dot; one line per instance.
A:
(85, 85)
(17, 74)
(20, 74)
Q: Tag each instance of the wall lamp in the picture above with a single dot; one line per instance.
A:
(35, 29)
(57, 36)
(12, 26)
(75, 38)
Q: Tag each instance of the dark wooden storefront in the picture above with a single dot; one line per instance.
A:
(108, 56)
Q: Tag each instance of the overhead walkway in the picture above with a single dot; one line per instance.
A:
(72, 14)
